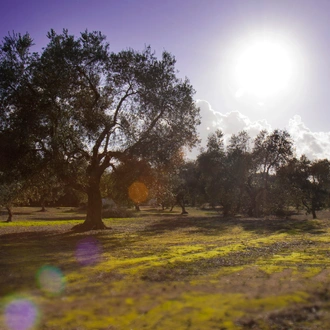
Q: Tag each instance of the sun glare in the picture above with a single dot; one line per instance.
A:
(263, 69)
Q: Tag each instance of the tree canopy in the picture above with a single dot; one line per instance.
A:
(83, 108)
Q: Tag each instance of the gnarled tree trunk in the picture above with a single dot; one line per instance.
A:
(94, 206)
(10, 213)
(180, 200)
(42, 203)
(314, 214)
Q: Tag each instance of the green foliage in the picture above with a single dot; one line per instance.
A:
(76, 110)
(82, 108)
(308, 182)
(115, 184)
(18, 120)
(238, 178)
(264, 180)
(224, 171)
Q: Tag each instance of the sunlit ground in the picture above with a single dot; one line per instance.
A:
(165, 271)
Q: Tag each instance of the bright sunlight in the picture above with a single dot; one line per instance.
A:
(263, 69)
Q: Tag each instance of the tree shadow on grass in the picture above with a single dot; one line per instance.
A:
(216, 225)
(154, 212)
(60, 218)
(24, 253)
(78, 210)
(180, 270)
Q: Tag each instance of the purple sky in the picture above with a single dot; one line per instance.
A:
(205, 36)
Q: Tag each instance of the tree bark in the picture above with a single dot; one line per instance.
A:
(226, 210)
(314, 214)
(181, 202)
(94, 207)
(183, 209)
(10, 213)
(42, 203)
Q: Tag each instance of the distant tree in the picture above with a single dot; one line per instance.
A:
(88, 109)
(9, 194)
(45, 187)
(269, 154)
(309, 183)
(191, 176)
(271, 151)
(238, 166)
(116, 183)
(211, 165)
(165, 179)
(18, 120)
(224, 171)
(240, 179)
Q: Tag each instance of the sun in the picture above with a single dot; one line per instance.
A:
(263, 69)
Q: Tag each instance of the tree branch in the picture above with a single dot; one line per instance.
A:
(95, 91)
(107, 128)
(146, 133)
(127, 94)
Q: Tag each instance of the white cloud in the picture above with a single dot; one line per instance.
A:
(230, 123)
(315, 145)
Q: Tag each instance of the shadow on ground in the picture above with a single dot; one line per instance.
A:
(60, 218)
(216, 225)
(23, 253)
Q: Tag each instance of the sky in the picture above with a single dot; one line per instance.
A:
(209, 39)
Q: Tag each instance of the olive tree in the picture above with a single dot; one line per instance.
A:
(308, 182)
(94, 108)
(271, 151)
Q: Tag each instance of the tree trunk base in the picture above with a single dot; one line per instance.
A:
(137, 208)
(10, 213)
(87, 226)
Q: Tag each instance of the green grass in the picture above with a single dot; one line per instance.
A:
(36, 223)
(165, 271)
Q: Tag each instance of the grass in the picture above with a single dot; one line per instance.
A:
(160, 270)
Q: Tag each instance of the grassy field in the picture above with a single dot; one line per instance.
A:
(160, 270)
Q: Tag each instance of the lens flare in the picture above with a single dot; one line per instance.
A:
(88, 251)
(51, 280)
(138, 192)
(21, 314)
